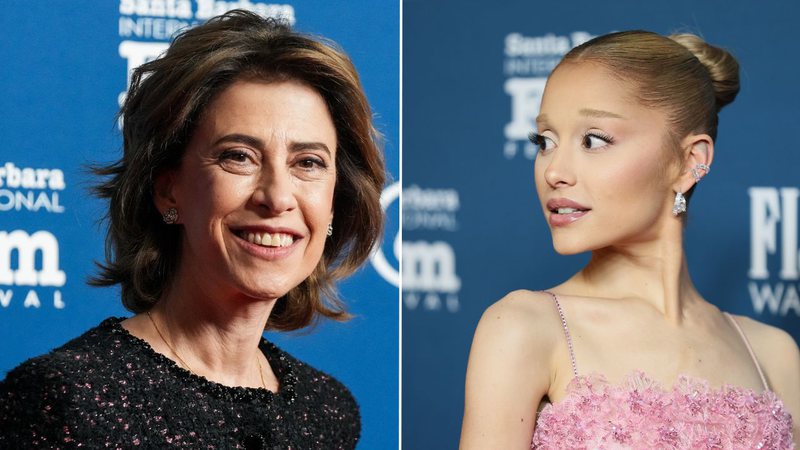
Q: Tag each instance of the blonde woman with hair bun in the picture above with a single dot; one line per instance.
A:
(627, 353)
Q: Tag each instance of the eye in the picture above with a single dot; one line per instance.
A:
(544, 143)
(309, 163)
(238, 160)
(239, 156)
(595, 140)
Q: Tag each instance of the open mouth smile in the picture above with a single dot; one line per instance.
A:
(266, 239)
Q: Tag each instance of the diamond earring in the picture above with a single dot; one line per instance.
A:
(696, 173)
(679, 206)
(170, 216)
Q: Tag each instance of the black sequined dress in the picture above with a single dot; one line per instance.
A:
(110, 389)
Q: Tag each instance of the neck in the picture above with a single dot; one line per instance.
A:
(216, 336)
(654, 272)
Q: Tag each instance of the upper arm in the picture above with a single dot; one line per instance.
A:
(782, 369)
(779, 357)
(508, 373)
(29, 409)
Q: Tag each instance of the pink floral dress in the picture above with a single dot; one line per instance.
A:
(640, 414)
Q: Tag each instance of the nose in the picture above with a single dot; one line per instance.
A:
(559, 169)
(275, 191)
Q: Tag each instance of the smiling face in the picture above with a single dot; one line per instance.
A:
(604, 172)
(254, 190)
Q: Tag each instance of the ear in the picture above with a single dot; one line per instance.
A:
(697, 149)
(164, 191)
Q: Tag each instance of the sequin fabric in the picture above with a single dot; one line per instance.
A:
(109, 389)
(641, 414)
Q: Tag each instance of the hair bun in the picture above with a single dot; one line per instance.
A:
(721, 65)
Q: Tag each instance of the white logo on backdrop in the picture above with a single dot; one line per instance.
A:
(34, 190)
(385, 269)
(26, 274)
(430, 209)
(26, 188)
(773, 219)
(430, 280)
(528, 62)
(142, 22)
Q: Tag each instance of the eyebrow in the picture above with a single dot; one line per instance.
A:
(599, 113)
(253, 141)
(586, 112)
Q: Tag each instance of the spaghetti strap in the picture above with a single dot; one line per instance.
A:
(566, 333)
(749, 349)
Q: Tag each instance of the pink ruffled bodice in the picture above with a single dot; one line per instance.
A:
(640, 414)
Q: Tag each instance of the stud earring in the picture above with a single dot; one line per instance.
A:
(679, 206)
(696, 173)
(330, 229)
(170, 216)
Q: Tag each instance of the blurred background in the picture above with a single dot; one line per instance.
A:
(64, 66)
(473, 230)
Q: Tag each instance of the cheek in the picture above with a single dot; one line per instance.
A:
(632, 184)
(538, 178)
(210, 196)
(317, 201)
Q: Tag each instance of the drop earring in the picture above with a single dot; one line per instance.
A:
(170, 216)
(330, 229)
(679, 206)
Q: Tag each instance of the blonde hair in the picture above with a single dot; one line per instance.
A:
(681, 74)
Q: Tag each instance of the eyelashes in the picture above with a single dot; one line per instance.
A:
(544, 143)
(590, 140)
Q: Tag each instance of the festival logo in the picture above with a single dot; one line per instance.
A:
(390, 202)
(30, 189)
(528, 61)
(35, 190)
(774, 245)
(147, 26)
(430, 280)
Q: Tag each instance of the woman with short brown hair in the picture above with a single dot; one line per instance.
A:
(250, 182)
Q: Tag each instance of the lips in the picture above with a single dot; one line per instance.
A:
(564, 211)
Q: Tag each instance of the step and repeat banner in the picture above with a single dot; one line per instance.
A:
(473, 230)
(65, 68)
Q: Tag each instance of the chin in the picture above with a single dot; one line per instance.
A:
(564, 247)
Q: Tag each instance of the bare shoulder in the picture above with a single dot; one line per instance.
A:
(521, 315)
(508, 371)
(768, 341)
(777, 352)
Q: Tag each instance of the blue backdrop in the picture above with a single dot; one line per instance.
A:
(472, 225)
(64, 66)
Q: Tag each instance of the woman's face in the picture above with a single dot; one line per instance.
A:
(603, 168)
(255, 189)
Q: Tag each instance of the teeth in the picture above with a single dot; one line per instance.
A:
(567, 210)
(269, 240)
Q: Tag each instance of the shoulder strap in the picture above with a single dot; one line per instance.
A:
(749, 349)
(566, 333)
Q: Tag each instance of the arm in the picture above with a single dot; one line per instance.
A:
(779, 357)
(783, 372)
(508, 372)
(29, 410)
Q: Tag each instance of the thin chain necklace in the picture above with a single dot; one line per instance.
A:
(185, 364)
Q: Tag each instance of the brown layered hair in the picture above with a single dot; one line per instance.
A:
(165, 100)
